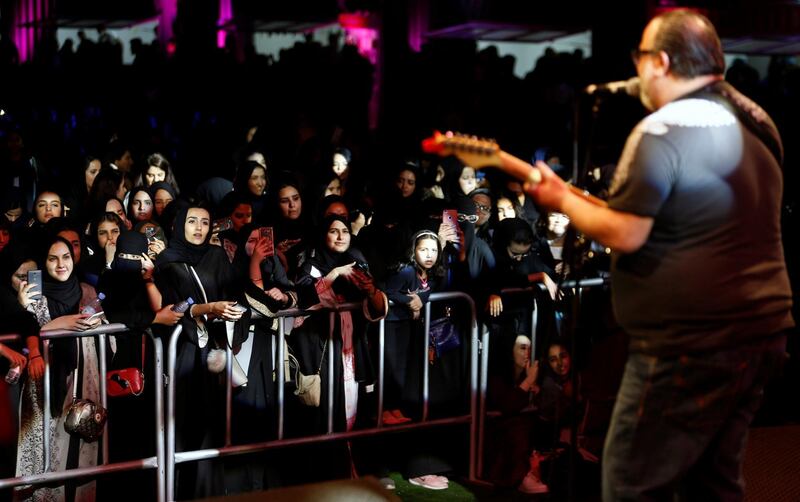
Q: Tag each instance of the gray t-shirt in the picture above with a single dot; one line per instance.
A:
(712, 273)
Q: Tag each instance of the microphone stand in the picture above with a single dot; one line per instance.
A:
(573, 259)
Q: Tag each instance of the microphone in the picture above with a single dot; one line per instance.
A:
(629, 87)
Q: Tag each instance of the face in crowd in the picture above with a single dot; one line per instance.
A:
(142, 206)
(522, 351)
(48, 206)
(154, 175)
(467, 181)
(290, 203)
(557, 223)
(162, 198)
(406, 183)
(559, 360)
(115, 206)
(338, 237)
(91, 173)
(241, 216)
(339, 164)
(21, 274)
(59, 262)
(74, 240)
(483, 208)
(426, 252)
(197, 225)
(107, 232)
(505, 209)
(257, 182)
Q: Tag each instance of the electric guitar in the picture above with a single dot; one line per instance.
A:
(479, 153)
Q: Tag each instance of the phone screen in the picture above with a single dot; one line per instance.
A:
(35, 277)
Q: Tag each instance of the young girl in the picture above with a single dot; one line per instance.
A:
(409, 289)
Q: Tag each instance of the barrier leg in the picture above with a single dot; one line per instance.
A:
(101, 357)
(170, 417)
(331, 383)
(425, 365)
(381, 368)
(228, 391)
(473, 386)
(280, 356)
(158, 381)
(484, 368)
(46, 404)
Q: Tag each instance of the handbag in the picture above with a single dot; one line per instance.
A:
(126, 381)
(309, 387)
(444, 337)
(85, 418)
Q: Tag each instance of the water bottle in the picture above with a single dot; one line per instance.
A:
(94, 306)
(183, 306)
(12, 377)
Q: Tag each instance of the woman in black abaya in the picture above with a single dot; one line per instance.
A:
(191, 267)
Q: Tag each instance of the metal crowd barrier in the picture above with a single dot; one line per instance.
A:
(174, 458)
(156, 462)
(534, 291)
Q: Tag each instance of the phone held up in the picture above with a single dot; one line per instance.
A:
(35, 278)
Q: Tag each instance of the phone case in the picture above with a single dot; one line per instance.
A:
(35, 277)
(266, 233)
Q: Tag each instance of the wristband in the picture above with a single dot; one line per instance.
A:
(34, 357)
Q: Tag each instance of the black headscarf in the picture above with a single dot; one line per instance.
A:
(129, 243)
(180, 250)
(241, 260)
(62, 297)
(325, 259)
(161, 185)
(13, 255)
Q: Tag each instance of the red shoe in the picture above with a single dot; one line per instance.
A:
(400, 417)
(389, 419)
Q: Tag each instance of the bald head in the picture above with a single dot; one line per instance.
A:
(691, 42)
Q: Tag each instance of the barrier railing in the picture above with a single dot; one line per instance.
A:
(173, 458)
(156, 462)
(534, 291)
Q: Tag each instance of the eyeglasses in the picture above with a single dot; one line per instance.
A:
(471, 218)
(519, 256)
(482, 208)
(636, 54)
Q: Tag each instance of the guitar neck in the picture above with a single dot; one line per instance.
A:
(527, 173)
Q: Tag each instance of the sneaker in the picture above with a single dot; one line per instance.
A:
(532, 484)
(430, 482)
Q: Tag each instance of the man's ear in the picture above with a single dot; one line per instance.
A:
(662, 63)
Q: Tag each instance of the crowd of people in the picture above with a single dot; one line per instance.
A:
(243, 250)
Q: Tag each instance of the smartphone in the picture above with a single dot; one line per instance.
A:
(266, 233)
(221, 225)
(450, 216)
(363, 267)
(150, 232)
(35, 278)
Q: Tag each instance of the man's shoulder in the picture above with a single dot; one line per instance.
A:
(687, 113)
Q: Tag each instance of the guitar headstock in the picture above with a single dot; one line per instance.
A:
(471, 150)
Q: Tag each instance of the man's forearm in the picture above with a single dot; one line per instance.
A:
(621, 231)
